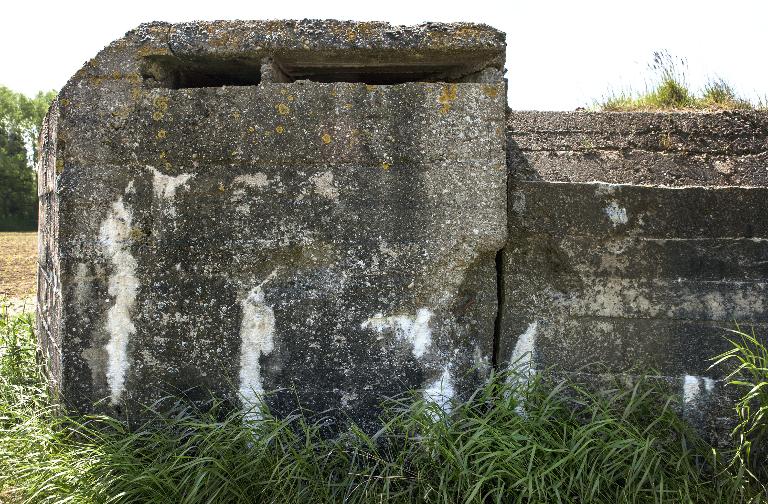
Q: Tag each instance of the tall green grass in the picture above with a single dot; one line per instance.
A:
(520, 438)
(748, 359)
(669, 90)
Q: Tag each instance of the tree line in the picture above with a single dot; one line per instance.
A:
(21, 118)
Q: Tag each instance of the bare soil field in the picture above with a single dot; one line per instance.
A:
(18, 259)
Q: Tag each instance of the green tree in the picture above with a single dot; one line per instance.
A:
(20, 121)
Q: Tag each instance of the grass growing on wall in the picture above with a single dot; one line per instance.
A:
(519, 439)
(670, 91)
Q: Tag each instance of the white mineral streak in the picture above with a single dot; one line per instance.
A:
(257, 179)
(441, 391)
(694, 387)
(114, 234)
(82, 291)
(521, 363)
(605, 189)
(522, 355)
(324, 186)
(165, 186)
(518, 202)
(257, 333)
(616, 214)
(412, 328)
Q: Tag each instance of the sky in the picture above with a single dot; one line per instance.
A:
(560, 54)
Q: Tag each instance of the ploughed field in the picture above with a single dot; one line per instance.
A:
(18, 257)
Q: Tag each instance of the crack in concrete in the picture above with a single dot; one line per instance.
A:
(498, 322)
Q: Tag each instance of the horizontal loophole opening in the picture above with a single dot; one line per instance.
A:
(172, 73)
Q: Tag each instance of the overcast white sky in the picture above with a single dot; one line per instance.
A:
(561, 54)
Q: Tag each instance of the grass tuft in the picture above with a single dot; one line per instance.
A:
(670, 91)
(719, 94)
(521, 438)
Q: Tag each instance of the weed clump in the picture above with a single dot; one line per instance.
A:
(670, 91)
(719, 94)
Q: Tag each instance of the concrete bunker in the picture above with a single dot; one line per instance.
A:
(303, 213)
(321, 214)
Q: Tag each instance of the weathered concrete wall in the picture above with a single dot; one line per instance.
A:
(642, 148)
(330, 242)
(316, 210)
(634, 241)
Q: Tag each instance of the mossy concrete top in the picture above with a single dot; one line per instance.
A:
(676, 149)
(430, 51)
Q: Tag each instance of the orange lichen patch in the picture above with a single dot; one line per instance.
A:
(282, 108)
(161, 134)
(163, 158)
(468, 32)
(218, 37)
(438, 38)
(447, 96)
(326, 138)
(161, 103)
(137, 234)
(491, 91)
(152, 50)
(121, 112)
(280, 128)
(353, 138)
(366, 28)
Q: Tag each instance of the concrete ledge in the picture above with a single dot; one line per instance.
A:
(634, 279)
(647, 148)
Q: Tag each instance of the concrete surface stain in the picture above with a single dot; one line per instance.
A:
(411, 328)
(257, 333)
(114, 236)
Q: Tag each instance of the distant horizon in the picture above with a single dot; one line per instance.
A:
(560, 55)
